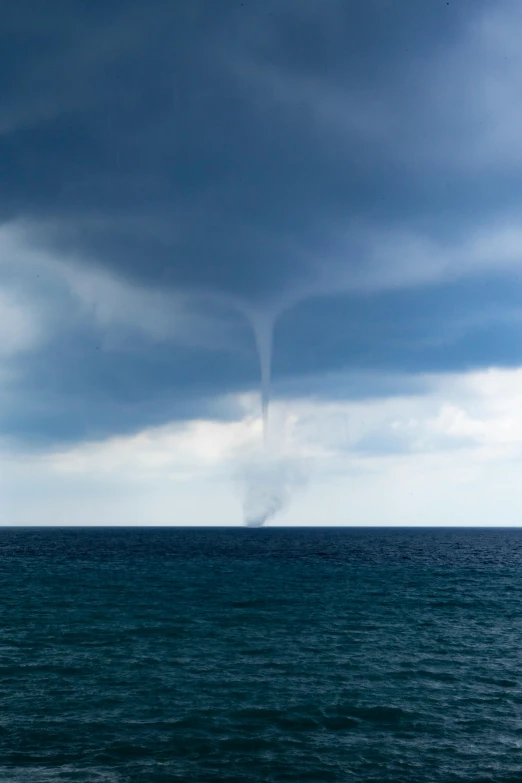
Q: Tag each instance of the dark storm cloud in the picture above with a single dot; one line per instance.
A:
(243, 150)
(159, 140)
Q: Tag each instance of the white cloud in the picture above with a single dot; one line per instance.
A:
(450, 456)
(178, 452)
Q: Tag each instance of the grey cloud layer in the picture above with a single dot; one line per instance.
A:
(175, 159)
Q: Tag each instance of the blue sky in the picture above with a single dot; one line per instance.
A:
(173, 173)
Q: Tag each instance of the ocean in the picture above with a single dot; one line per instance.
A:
(229, 654)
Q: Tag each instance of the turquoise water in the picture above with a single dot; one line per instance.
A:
(260, 655)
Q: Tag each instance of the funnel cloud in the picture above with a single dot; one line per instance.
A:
(268, 477)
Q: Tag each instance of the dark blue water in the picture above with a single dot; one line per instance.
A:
(260, 655)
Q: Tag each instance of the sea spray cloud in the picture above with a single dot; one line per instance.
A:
(267, 480)
(268, 476)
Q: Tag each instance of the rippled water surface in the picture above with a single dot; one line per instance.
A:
(260, 655)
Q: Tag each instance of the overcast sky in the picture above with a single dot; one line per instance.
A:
(172, 171)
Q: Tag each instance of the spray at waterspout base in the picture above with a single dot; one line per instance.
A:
(269, 480)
